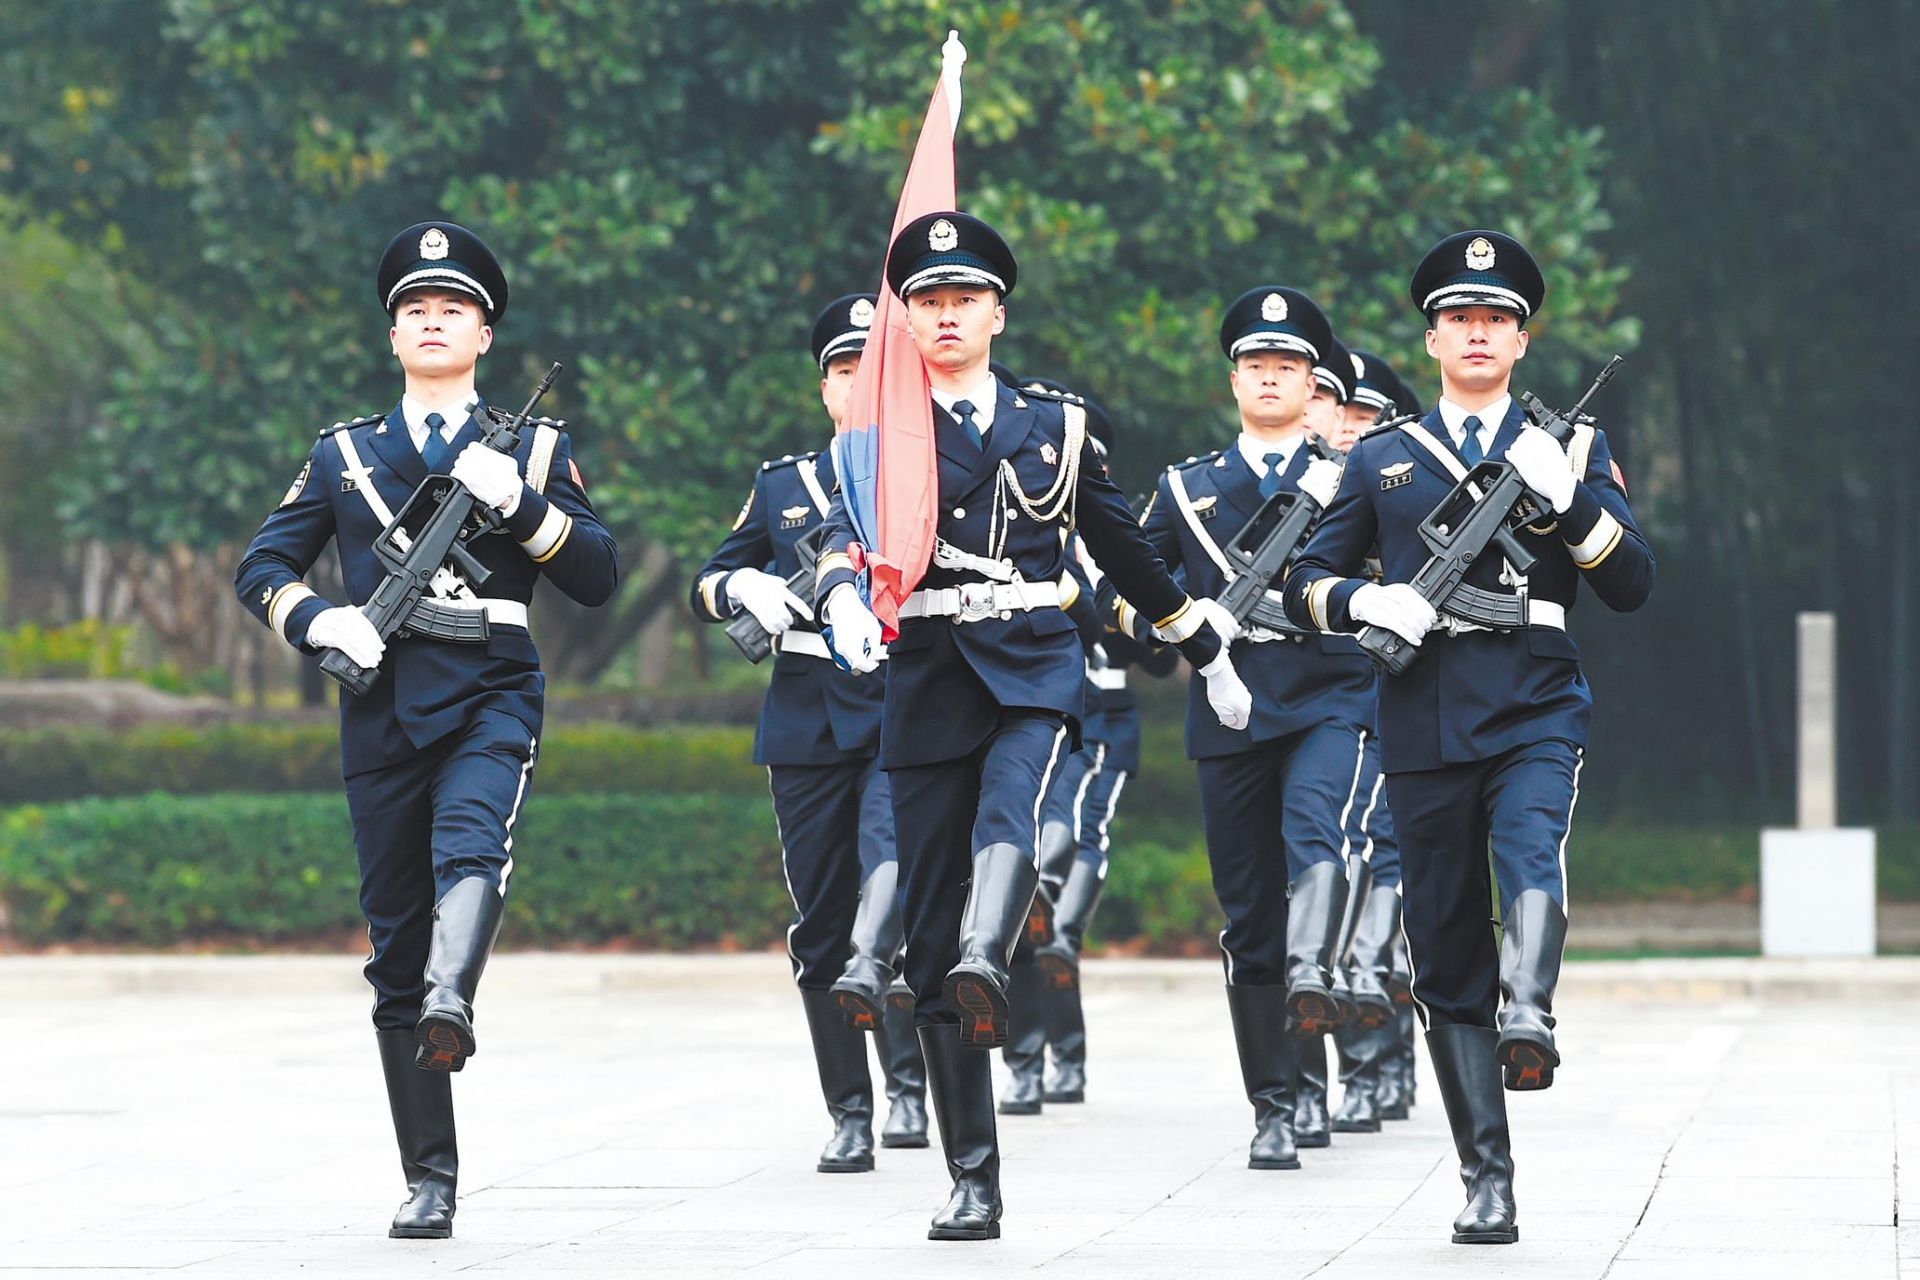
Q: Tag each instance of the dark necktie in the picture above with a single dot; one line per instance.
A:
(963, 410)
(1470, 451)
(435, 450)
(1270, 482)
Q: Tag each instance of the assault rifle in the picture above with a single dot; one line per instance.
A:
(748, 636)
(431, 533)
(1260, 552)
(1484, 510)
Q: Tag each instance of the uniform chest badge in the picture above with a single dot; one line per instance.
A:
(1049, 454)
(1396, 475)
(1205, 507)
(794, 517)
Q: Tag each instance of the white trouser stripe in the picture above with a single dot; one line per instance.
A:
(1080, 792)
(1046, 779)
(1366, 819)
(513, 814)
(1113, 802)
(785, 875)
(1353, 789)
(1579, 761)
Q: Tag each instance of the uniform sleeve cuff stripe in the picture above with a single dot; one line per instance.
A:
(548, 537)
(707, 586)
(830, 563)
(566, 527)
(283, 604)
(1318, 593)
(1599, 542)
(1181, 623)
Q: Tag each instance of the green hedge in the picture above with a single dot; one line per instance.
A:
(664, 872)
(656, 871)
(40, 766)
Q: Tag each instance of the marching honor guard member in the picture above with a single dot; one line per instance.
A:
(983, 687)
(1483, 736)
(439, 753)
(1276, 799)
(819, 738)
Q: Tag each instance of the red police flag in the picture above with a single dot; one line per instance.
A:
(886, 447)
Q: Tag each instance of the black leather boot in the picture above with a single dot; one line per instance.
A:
(422, 1106)
(840, 1053)
(960, 1082)
(998, 899)
(1266, 1068)
(1060, 963)
(1390, 1098)
(1311, 1127)
(1315, 903)
(1359, 880)
(861, 989)
(465, 923)
(1536, 935)
(1362, 1054)
(1469, 1077)
(1026, 1049)
(1370, 958)
(1397, 1103)
(906, 1074)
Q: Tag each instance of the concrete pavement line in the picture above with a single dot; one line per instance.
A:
(1389, 1215)
(1166, 1199)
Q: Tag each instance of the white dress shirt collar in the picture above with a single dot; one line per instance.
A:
(1490, 419)
(456, 414)
(1255, 451)
(985, 395)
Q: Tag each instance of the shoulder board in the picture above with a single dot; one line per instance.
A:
(788, 460)
(1384, 428)
(1200, 460)
(357, 422)
(1041, 393)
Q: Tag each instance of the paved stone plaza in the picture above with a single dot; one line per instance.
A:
(658, 1116)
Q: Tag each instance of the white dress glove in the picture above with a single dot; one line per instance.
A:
(1226, 693)
(768, 598)
(346, 628)
(490, 476)
(1543, 465)
(856, 632)
(1321, 481)
(1219, 619)
(1397, 607)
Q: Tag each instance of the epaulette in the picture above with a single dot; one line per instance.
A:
(1195, 461)
(1064, 397)
(788, 460)
(357, 422)
(1382, 429)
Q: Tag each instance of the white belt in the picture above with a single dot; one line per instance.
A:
(1540, 613)
(504, 613)
(1108, 677)
(811, 643)
(978, 601)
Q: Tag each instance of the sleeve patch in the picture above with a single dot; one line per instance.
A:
(299, 484)
(1617, 477)
(573, 470)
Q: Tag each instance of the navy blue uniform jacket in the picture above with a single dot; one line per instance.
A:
(946, 681)
(814, 712)
(426, 688)
(1475, 695)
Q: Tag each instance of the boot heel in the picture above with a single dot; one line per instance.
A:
(443, 1044)
(861, 1014)
(1312, 1013)
(1527, 1066)
(982, 1008)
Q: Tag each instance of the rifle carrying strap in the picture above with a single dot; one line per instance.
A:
(1178, 484)
(546, 438)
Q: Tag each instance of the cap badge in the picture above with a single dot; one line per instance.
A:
(860, 314)
(941, 236)
(1479, 254)
(1273, 307)
(433, 245)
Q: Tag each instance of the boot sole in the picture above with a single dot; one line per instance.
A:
(1272, 1165)
(829, 1167)
(1020, 1108)
(989, 1232)
(1355, 1126)
(1078, 1095)
(983, 1012)
(1528, 1066)
(862, 1013)
(442, 1045)
(1312, 1013)
(1062, 974)
(1372, 1017)
(419, 1233)
(906, 1142)
(900, 1003)
(1312, 1142)
(1509, 1236)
